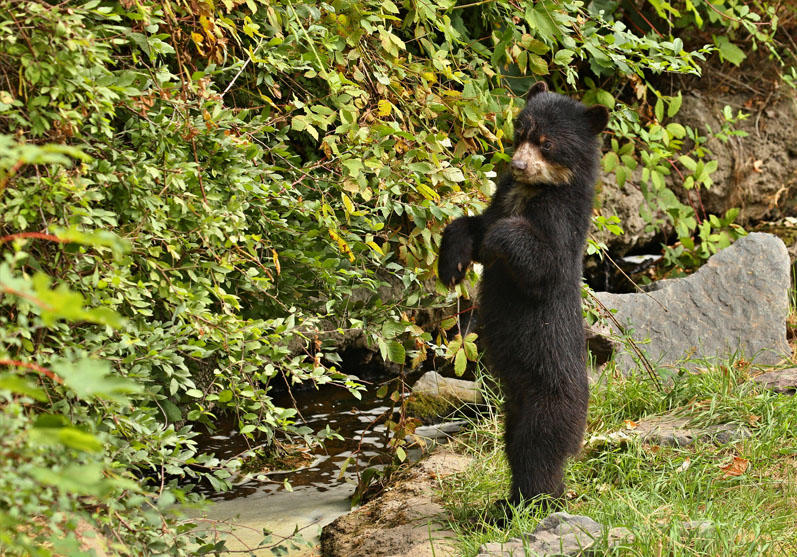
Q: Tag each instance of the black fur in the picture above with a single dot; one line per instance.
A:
(531, 242)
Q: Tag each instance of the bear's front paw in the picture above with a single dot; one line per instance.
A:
(502, 236)
(456, 253)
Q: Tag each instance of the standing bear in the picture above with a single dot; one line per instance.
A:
(530, 241)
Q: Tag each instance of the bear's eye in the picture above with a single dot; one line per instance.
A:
(547, 146)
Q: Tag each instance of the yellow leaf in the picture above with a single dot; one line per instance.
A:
(374, 246)
(384, 108)
(347, 204)
(428, 192)
(276, 261)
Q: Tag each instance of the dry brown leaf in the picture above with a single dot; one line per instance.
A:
(736, 467)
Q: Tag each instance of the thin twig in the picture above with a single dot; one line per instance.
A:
(199, 172)
(237, 75)
(641, 355)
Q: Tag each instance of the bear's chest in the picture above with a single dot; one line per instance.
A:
(516, 201)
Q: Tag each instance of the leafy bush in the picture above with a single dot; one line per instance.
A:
(200, 200)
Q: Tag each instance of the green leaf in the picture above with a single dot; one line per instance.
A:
(225, 395)
(674, 105)
(453, 346)
(564, 56)
(80, 479)
(688, 162)
(447, 323)
(18, 385)
(621, 174)
(610, 161)
(391, 329)
(729, 51)
(676, 130)
(471, 352)
(89, 378)
(94, 238)
(428, 192)
(354, 166)
(537, 65)
(460, 362)
(453, 174)
(171, 410)
(71, 437)
(347, 204)
(396, 352)
(62, 303)
(605, 98)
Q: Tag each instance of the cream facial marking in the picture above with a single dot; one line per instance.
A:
(530, 167)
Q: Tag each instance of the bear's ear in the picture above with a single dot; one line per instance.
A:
(539, 87)
(597, 118)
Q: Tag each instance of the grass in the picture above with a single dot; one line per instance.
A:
(653, 490)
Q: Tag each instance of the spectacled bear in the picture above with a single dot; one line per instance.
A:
(530, 241)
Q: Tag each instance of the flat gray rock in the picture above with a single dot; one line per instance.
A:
(737, 303)
(434, 432)
(780, 381)
(675, 431)
(558, 534)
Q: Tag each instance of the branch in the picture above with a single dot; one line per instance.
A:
(35, 367)
(38, 235)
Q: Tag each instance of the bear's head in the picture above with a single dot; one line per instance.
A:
(555, 137)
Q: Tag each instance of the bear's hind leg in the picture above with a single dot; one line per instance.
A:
(536, 447)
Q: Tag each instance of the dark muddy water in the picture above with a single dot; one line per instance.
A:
(353, 419)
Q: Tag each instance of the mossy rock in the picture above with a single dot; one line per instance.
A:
(428, 408)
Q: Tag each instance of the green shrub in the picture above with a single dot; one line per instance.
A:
(197, 197)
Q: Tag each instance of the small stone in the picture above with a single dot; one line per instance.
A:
(698, 526)
(780, 381)
(439, 431)
(434, 384)
(556, 535)
(513, 547)
(620, 534)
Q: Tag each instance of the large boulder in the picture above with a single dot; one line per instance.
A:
(736, 304)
